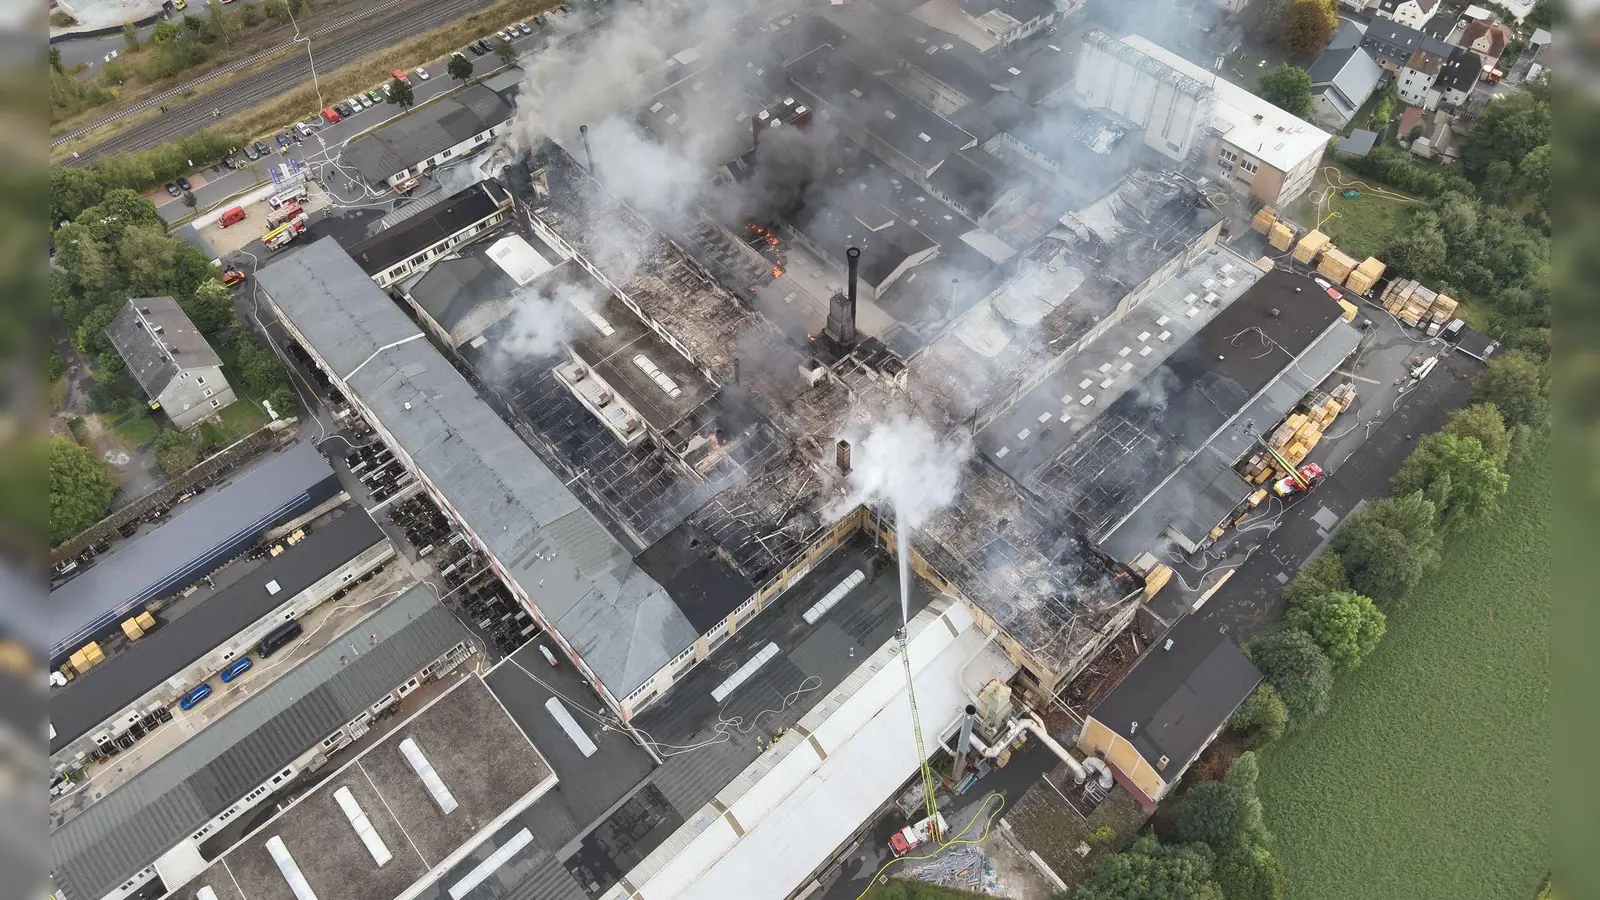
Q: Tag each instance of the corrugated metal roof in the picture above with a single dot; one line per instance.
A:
(125, 677)
(185, 546)
(133, 825)
(623, 624)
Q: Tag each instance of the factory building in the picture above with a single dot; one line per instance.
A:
(94, 714)
(166, 821)
(410, 239)
(195, 538)
(397, 153)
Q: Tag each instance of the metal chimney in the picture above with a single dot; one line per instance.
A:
(964, 743)
(842, 310)
(841, 456)
(736, 371)
(588, 155)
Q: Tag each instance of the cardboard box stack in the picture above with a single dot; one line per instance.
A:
(1336, 265)
(1281, 237)
(1264, 220)
(1310, 247)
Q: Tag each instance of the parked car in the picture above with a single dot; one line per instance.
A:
(229, 162)
(183, 183)
(477, 48)
(422, 74)
(251, 153)
(262, 149)
(502, 35)
(173, 189)
(235, 669)
(193, 698)
(355, 104)
(302, 129)
(283, 141)
(525, 28)
(375, 96)
(387, 92)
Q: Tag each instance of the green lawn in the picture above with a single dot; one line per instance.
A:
(136, 427)
(1360, 226)
(1430, 777)
(236, 420)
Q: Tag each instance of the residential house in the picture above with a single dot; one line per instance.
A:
(1173, 703)
(1415, 82)
(1458, 76)
(1390, 44)
(1519, 10)
(1442, 24)
(414, 236)
(170, 360)
(1414, 13)
(1188, 113)
(459, 125)
(1487, 38)
(1341, 81)
(1347, 35)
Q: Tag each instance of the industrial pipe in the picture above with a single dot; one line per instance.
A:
(1102, 771)
(1030, 722)
(964, 742)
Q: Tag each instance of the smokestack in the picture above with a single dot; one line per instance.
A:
(964, 743)
(842, 312)
(736, 371)
(588, 155)
(841, 456)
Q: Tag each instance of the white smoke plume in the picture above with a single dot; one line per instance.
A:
(901, 462)
(542, 320)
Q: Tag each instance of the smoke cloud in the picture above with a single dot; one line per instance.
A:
(542, 320)
(902, 462)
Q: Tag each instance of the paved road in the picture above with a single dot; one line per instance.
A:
(93, 50)
(381, 30)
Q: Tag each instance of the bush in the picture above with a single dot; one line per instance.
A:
(1148, 870)
(1217, 814)
(1322, 575)
(80, 489)
(54, 365)
(1517, 383)
(1346, 625)
(1389, 546)
(1298, 670)
(176, 452)
(1261, 719)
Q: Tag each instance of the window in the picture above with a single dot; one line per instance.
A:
(199, 379)
(208, 392)
(1224, 165)
(182, 375)
(446, 154)
(1228, 155)
(215, 404)
(1248, 166)
(419, 260)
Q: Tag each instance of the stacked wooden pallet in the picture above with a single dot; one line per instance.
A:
(1264, 220)
(1442, 310)
(1298, 434)
(1310, 247)
(1264, 264)
(1365, 276)
(1336, 265)
(1281, 236)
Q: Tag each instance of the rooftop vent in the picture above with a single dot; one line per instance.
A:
(662, 379)
(923, 135)
(1259, 117)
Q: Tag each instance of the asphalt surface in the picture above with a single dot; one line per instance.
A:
(377, 31)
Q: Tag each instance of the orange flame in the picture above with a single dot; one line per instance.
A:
(777, 271)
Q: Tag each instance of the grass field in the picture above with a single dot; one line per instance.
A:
(1430, 776)
(1360, 226)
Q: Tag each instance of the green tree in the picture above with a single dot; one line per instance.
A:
(1483, 422)
(130, 37)
(1462, 479)
(90, 338)
(1384, 111)
(284, 402)
(1217, 814)
(400, 93)
(1507, 130)
(1102, 836)
(1308, 25)
(460, 68)
(113, 73)
(1149, 870)
(164, 31)
(1533, 173)
(1262, 718)
(1517, 383)
(55, 61)
(219, 26)
(276, 10)
(1388, 547)
(190, 200)
(1250, 873)
(211, 308)
(54, 365)
(504, 50)
(176, 452)
(147, 257)
(1244, 772)
(1287, 87)
(1297, 668)
(1265, 17)
(1321, 575)
(80, 489)
(1346, 625)
(260, 368)
(1418, 251)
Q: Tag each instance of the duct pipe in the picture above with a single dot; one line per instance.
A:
(736, 371)
(1031, 723)
(964, 743)
(588, 155)
(1102, 771)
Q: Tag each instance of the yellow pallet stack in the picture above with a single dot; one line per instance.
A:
(1298, 434)
(1310, 247)
(145, 620)
(1281, 237)
(1417, 304)
(1350, 311)
(1264, 220)
(87, 658)
(130, 627)
(1336, 265)
(1442, 310)
(1264, 264)
(1364, 276)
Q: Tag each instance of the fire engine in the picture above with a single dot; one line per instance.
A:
(283, 234)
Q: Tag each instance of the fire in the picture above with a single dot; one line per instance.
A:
(777, 271)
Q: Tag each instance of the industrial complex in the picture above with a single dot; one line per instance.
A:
(590, 577)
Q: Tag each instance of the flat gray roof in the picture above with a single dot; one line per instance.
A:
(124, 677)
(426, 131)
(133, 825)
(616, 617)
(198, 535)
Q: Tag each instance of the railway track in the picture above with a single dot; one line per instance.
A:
(404, 19)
